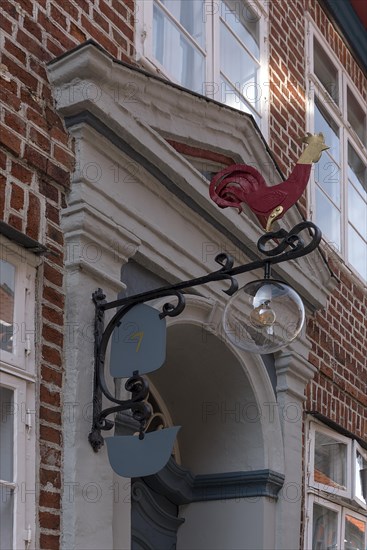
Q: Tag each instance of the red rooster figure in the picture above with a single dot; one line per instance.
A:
(242, 183)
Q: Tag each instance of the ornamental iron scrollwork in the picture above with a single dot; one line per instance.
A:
(277, 247)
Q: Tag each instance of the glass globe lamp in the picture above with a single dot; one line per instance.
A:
(263, 316)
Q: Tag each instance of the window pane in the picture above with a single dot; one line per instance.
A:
(190, 13)
(325, 124)
(357, 172)
(357, 211)
(244, 22)
(327, 175)
(176, 53)
(328, 219)
(325, 71)
(6, 517)
(330, 461)
(361, 478)
(357, 252)
(230, 97)
(238, 66)
(356, 116)
(355, 534)
(325, 528)
(7, 289)
(6, 434)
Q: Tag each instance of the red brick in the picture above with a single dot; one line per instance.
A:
(35, 158)
(49, 396)
(49, 500)
(33, 217)
(51, 376)
(3, 158)
(57, 16)
(37, 118)
(55, 255)
(118, 38)
(52, 213)
(99, 36)
(50, 434)
(53, 336)
(6, 24)
(51, 295)
(2, 195)
(18, 72)
(55, 32)
(21, 173)
(12, 49)
(10, 9)
(49, 542)
(15, 122)
(15, 222)
(52, 275)
(55, 49)
(77, 33)
(49, 521)
(59, 135)
(42, 141)
(55, 234)
(9, 140)
(26, 5)
(51, 355)
(58, 174)
(69, 8)
(50, 476)
(100, 21)
(49, 415)
(17, 197)
(33, 28)
(52, 315)
(49, 190)
(120, 8)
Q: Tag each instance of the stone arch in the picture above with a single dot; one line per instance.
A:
(222, 396)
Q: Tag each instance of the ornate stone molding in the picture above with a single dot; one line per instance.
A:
(182, 487)
(88, 79)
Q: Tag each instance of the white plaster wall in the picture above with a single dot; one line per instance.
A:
(243, 524)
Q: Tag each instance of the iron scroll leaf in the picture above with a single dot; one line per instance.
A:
(138, 343)
(130, 456)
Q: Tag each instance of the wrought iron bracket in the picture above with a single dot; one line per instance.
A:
(288, 246)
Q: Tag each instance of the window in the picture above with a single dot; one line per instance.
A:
(17, 397)
(215, 48)
(336, 491)
(338, 200)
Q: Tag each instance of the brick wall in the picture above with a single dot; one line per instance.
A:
(338, 333)
(36, 157)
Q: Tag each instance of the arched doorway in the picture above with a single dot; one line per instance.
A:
(228, 451)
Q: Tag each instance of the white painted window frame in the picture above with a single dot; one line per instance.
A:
(335, 500)
(342, 512)
(345, 512)
(363, 452)
(22, 359)
(347, 493)
(17, 373)
(144, 49)
(24, 468)
(338, 112)
(309, 515)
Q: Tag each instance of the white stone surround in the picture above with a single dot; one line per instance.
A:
(118, 209)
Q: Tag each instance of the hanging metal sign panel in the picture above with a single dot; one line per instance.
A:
(130, 456)
(138, 343)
